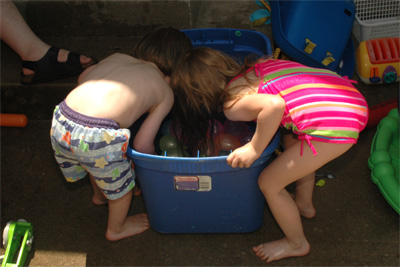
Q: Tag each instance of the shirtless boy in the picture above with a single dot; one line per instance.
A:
(90, 133)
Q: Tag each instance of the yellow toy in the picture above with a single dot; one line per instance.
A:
(378, 60)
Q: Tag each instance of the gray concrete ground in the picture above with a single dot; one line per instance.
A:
(354, 226)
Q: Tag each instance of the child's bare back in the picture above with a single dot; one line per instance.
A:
(123, 88)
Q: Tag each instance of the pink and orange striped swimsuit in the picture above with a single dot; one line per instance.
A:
(320, 104)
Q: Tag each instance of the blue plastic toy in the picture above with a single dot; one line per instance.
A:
(316, 33)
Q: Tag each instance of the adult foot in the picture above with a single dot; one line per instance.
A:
(280, 249)
(55, 64)
(62, 57)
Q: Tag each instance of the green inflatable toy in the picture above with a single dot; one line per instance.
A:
(384, 159)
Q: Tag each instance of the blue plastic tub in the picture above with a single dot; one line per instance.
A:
(201, 195)
(206, 195)
(316, 33)
(234, 42)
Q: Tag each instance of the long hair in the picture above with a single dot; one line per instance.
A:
(163, 46)
(199, 83)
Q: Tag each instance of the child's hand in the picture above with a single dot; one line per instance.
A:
(243, 156)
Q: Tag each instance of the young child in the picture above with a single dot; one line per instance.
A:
(89, 129)
(322, 109)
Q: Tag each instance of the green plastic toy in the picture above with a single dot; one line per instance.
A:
(17, 235)
(384, 160)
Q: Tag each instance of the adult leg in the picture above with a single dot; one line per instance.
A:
(286, 169)
(119, 224)
(16, 33)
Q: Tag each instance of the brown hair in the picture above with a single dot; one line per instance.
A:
(199, 83)
(163, 46)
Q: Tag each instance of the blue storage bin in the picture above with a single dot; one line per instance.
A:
(201, 195)
(313, 31)
(206, 195)
(234, 42)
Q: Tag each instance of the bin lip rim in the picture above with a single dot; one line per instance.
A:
(233, 31)
(273, 145)
(135, 154)
(225, 29)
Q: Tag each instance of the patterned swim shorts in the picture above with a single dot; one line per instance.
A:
(84, 144)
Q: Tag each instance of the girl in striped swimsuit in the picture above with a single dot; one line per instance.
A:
(323, 110)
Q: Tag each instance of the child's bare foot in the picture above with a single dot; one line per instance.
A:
(133, 225)
(280, 249)
(137, 191)
(99, 200)
(306, 210)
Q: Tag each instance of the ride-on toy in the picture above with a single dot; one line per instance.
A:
(16, 235)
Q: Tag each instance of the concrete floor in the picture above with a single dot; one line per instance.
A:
(354, 226)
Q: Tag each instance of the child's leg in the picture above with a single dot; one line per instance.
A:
(303, 197)
(98, 197)
(119, 224)
(304, 186)
(284, 170)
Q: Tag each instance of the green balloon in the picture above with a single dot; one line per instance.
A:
(168, 141)
(173, 152)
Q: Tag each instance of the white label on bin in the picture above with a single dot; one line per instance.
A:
(204, 183)
(192, 183)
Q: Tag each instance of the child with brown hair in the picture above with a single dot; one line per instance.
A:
(317, 105)
(90, 132)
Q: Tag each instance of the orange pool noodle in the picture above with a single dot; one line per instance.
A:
(13, 120)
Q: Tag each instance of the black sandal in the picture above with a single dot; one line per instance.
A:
(48, 68)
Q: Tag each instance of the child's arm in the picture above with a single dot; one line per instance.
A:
(144, 139)
(268, 111)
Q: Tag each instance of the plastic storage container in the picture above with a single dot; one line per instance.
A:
(316, 33)
(235, 42)
(206, 195)
(201, 195)
(376, 19)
